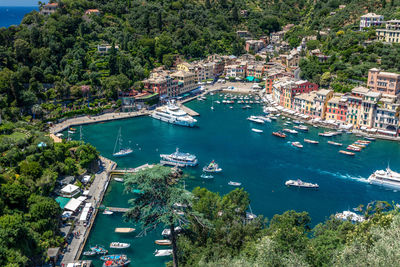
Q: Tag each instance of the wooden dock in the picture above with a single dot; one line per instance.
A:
(115, 209)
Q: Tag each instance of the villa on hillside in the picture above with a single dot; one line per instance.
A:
(49, 9)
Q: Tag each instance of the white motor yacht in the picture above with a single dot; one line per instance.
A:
(173, 114)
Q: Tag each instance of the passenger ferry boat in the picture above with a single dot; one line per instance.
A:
(173, 114)
(386, 178)
(179, 159)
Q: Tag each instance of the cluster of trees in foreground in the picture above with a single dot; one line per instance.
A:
(217, 233)
(29, 167)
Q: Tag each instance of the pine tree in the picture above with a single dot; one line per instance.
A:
(157, 204)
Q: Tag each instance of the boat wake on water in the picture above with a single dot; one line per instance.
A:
(344, 176)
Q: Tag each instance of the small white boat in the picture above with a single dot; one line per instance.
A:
(206, 176)
(212, 167)
(71, 132)
(300, 183)
(290, 131)
(119, 245)
(108, 212)
(334, 143)
(255, 119)
(250, 216)
(311, 141)
(89, 253)
(234, 183)
(218, 102)
(162, 252)
(167, 231)
(264, 118)
(297, 144)
(301, 128)
(257, 130)
(370, 138)
(121, 180)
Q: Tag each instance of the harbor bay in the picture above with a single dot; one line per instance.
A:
(261, 162)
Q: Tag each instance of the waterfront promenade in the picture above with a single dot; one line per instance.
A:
(56, 128)
(96, 193)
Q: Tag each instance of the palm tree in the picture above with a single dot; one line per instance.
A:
(36, 110)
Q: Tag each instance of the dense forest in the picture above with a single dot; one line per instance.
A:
(29, 168)
(46, 60)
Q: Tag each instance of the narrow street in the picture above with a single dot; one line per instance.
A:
(96, 192)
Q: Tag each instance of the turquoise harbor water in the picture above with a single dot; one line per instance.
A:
(261, 162)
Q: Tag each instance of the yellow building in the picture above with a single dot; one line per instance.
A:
(391, 33)
(187, 81)
(185, 67)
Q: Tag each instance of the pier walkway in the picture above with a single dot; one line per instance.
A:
(115, 209)
(189, 111)
(130, 170)
(56, 128)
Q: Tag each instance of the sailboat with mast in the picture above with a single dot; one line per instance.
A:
(118, 150)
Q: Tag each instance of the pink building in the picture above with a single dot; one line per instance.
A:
(384, 82)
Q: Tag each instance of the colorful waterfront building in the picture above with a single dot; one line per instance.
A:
(368, 109)
(236, 70)
(162, 83)
(186, 81)
(354, 102)
(337, 108)
(383, 82)
(387, 115)
(305, 103)
(287, 88)
(255, 71)
(320, 102)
